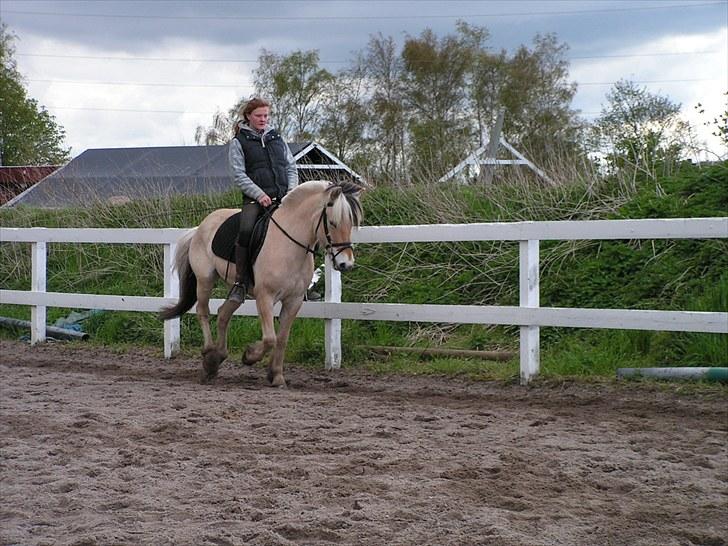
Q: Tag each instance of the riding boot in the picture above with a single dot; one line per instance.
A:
(240, 288)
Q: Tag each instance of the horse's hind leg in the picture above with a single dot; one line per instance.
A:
(212, 357)
(218, 352)
(289, 310)
(204, 288)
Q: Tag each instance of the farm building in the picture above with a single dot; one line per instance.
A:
(119, 175)
(15, 180)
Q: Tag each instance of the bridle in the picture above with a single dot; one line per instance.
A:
(330, 245)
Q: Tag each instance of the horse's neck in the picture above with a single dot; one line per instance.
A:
(296, 218)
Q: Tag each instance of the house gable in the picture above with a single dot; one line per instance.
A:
(316, 162)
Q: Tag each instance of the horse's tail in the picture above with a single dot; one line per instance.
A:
(187, 280)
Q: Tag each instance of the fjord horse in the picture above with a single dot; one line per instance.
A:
(316, 213)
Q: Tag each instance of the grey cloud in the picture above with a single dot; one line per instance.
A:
(139, 26)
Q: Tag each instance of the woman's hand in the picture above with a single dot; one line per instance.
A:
(265, 201)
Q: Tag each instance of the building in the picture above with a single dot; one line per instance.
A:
(120, 175)
(15, 180)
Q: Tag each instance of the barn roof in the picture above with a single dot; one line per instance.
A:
(116, 175)
(16, 179)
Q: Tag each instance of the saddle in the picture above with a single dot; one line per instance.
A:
(223, 243)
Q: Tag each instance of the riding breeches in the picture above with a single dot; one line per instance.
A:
(250, 213)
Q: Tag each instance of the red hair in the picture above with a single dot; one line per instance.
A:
(251, 105)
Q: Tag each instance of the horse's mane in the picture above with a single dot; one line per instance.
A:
(346, 207)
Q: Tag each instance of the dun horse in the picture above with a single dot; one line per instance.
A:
(316, 213)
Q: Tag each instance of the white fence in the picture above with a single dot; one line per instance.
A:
(528, 315)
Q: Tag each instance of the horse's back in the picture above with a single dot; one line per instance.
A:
(208, 227)
(218, 216)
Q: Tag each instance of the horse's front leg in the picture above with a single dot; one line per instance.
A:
(259, 349)
(289, 310)
(256, 351)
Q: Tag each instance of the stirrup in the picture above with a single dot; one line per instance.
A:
(237, 293)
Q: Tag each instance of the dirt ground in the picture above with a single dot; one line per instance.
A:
(102, 447)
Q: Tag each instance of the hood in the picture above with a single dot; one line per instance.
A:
(243, 126)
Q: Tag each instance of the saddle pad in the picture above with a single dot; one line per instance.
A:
(223, 243)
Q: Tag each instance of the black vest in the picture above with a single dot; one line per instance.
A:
(265, 161)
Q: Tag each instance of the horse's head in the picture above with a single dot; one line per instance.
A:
(340, 216)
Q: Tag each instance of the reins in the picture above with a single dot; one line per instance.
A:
(322, 218)
(269, 211)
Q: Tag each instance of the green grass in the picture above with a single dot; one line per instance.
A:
(672, 275)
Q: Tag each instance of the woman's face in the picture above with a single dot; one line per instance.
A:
(258, 118)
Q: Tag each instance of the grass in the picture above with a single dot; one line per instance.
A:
(687, 275)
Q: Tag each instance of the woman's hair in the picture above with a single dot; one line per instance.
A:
(251, 105)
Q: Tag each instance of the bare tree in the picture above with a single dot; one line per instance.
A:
(219, 132)
(537, 96)
(434, 90)
(387, 122)
(295, 84)
(344, 114)
(638, 128)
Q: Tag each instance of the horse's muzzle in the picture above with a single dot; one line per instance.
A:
(343, 267)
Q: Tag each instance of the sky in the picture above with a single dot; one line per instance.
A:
(148, 73)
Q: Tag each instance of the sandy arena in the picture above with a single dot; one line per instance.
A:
(117, 448)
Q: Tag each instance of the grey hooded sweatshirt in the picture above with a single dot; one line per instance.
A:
(236, 165)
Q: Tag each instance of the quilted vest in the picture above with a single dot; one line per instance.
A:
(265, 161)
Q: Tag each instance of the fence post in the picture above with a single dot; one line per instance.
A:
(171, 290)
(332, 294)
(38, 284)
(529, 297)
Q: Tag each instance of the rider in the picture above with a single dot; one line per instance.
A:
(263, 166)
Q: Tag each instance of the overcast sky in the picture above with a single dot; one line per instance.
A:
(147, 73)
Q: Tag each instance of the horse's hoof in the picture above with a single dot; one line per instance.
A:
(205, 377)
(211, 363)
(277, 381)
(214, 357)
(246, 360)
